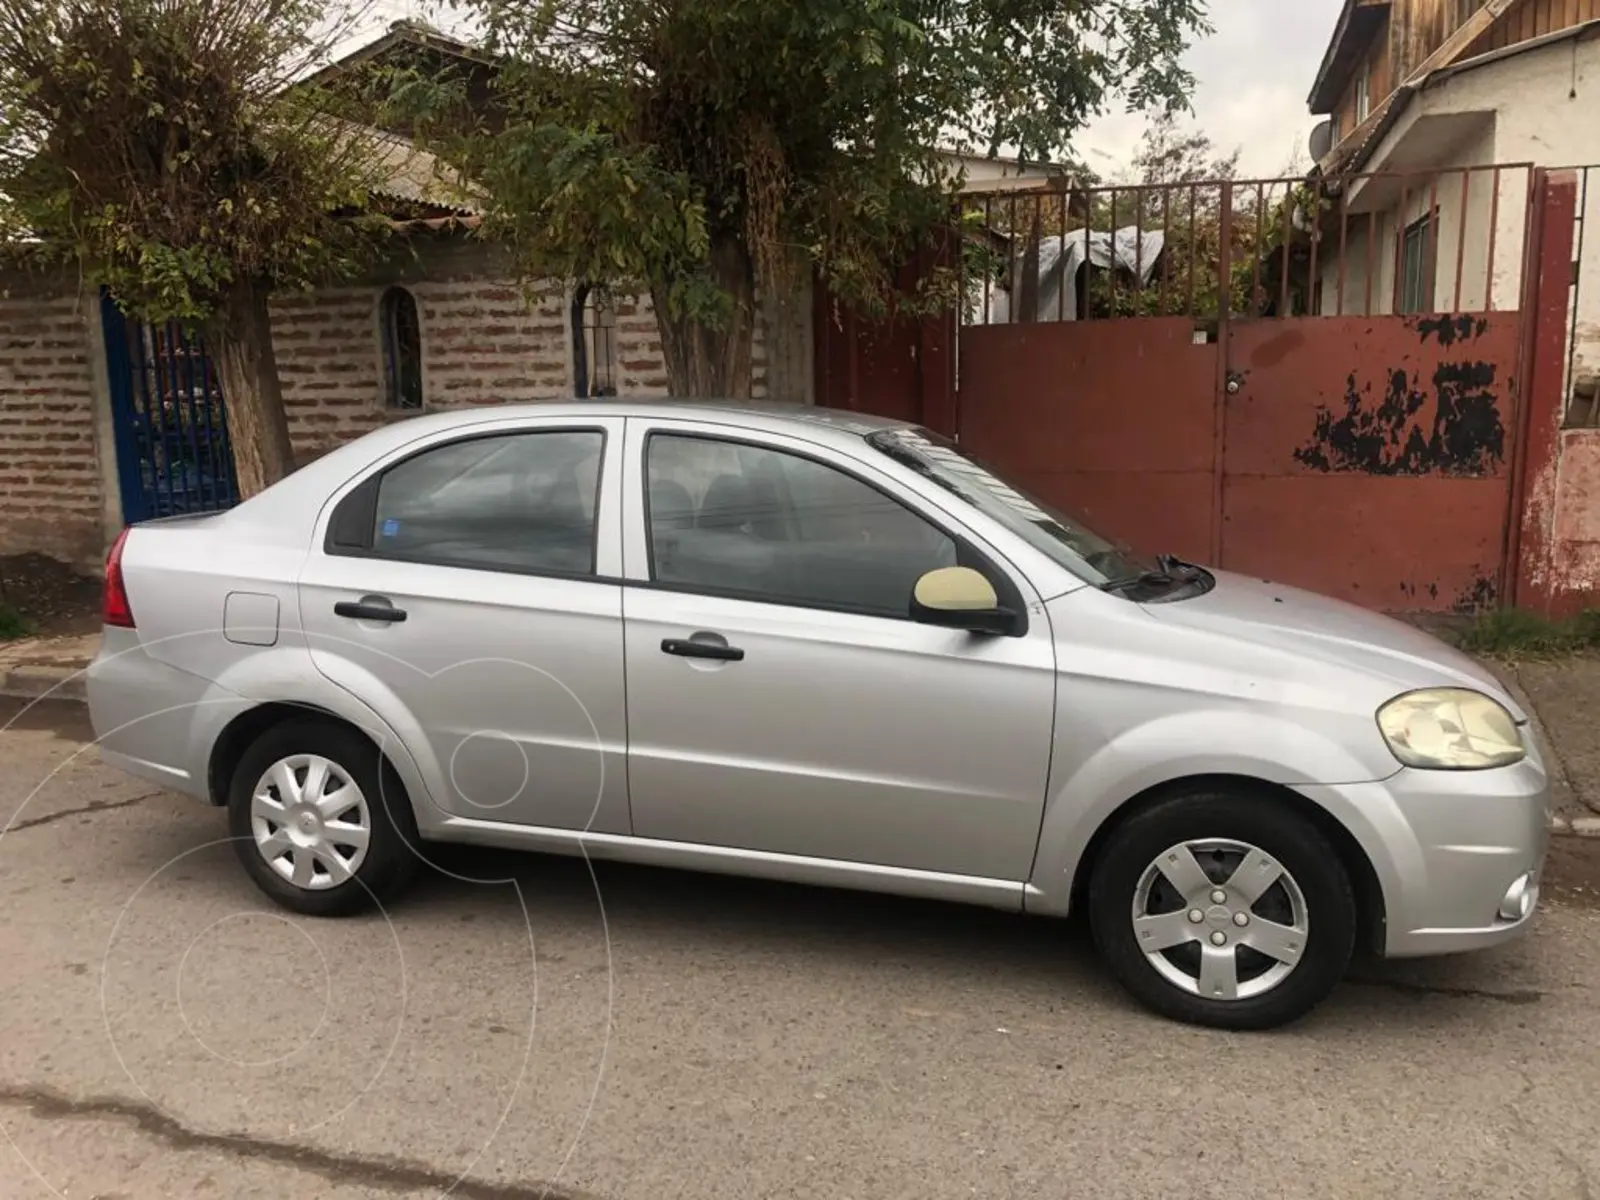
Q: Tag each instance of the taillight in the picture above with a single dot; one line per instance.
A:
(117, 611)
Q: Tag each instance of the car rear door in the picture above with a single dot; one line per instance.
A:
(779, 697)
(467, 588)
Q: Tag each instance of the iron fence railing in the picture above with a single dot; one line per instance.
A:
(1448, 240)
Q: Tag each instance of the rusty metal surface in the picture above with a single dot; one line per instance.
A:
(867, 366)
(901, 367)
(1111, 421)
(1369, 457)
(1376, 396)
(1395, 543)
(1168, 512)
(1134, 395)
(1365, 458)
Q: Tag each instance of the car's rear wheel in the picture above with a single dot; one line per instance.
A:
(320, 820)
(1223, 909)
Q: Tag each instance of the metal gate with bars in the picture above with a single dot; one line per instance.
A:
(170, 422)
(1322, 382)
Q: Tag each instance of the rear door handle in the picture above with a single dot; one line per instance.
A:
(368, 610)
(698, 648)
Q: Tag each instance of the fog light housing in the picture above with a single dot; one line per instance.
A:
(1520, 898)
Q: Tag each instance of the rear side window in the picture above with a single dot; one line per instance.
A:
(521, 502)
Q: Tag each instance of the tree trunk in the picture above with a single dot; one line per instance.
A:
(706, 362)
(241, 341)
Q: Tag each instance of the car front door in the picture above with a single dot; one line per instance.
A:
(467, 589)
(779, 697)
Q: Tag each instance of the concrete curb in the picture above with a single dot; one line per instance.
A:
(55, 683)
(1584, 827)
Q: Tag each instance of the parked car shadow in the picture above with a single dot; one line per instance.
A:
(1044, 963)
(693, 906)
(676, 909)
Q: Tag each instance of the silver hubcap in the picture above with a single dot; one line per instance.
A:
(310, 821)
(1221, 919)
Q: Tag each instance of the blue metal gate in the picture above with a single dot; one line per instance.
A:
(173, 453)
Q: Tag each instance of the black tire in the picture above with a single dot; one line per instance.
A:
(1259, 821)
(390, 862)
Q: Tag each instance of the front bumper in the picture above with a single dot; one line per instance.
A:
(1458, 854)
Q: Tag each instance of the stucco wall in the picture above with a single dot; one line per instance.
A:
(1575, 529)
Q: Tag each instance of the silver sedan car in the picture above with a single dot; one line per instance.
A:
(812, 646)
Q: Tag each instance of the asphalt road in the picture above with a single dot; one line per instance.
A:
(638, 1034)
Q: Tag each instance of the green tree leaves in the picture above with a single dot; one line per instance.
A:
(628, 140)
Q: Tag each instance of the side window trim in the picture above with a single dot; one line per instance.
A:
(360, 504)
(967, 552)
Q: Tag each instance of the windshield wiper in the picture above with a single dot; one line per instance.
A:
(1170, 571)
(1156, 578)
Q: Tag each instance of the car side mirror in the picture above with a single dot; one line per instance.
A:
(960, 598)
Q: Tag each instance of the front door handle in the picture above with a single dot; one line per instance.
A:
(369, 609)
(702, 647)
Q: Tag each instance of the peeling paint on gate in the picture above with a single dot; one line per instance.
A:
(1447, 330)
(1373, 460)
(1464, 433)
(1444, 422)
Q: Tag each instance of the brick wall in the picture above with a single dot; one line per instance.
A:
(50, 497)
(484, 341)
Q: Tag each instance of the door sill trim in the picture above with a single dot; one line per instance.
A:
(725, 860)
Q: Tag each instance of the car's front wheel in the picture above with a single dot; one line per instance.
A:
(320, 820)
(1223, 909)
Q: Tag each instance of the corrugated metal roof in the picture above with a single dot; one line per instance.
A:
(414, 175)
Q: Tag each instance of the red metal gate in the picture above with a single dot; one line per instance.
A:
(1319, 385)
(1112, 420)
(1370, 457)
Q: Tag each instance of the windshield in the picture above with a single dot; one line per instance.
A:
(1069, 542)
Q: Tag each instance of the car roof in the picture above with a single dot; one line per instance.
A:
(292, 504)
(764, 413)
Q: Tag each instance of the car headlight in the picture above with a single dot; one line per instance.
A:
(1450, 729)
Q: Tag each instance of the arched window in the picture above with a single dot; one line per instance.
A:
(594, 340)
(401, 334)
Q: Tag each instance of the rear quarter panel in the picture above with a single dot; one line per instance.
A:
(196, 676)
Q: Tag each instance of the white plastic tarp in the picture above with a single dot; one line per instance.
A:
(1136, 253)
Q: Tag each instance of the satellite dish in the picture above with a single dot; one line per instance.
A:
(1321, 141)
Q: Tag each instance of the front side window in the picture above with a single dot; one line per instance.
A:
(522, 502)
(745, 520)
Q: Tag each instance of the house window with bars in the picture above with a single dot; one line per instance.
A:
(594, 336)
(400, 332)
(1417, 266)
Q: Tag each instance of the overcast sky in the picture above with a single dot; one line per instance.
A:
(1253, 73)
